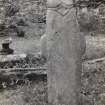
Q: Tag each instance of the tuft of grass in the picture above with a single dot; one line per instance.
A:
(30, 93)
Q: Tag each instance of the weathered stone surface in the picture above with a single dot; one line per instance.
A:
(95, 47)
(12, 57)
(64, 47)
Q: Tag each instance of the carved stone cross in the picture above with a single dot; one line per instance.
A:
(64, 48)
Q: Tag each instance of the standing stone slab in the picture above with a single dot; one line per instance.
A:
(64, 47)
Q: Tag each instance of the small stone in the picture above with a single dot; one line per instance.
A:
(5, 47)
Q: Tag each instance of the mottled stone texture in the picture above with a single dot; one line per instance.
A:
(64, 49)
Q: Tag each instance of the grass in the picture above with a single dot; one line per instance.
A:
(30, 93)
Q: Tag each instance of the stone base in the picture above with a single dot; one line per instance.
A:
(14, 57)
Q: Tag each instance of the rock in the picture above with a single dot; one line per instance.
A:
(95, 47)
(20, 33)
(5, 47)
(12, 57)
(88, 20)
(21, 22)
